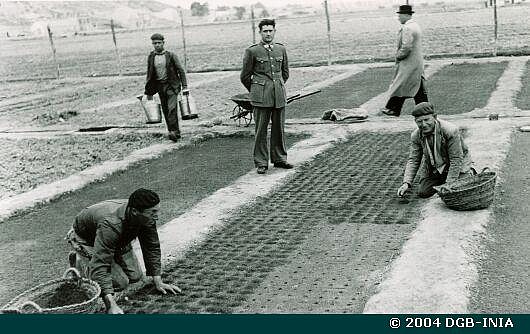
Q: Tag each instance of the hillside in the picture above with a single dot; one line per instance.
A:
(91, 14)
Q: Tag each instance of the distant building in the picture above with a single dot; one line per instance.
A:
(58, 27)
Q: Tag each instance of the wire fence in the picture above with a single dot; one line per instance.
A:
(482, 30)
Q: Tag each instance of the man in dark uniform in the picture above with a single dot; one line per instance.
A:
(265, 71)
(166, 77)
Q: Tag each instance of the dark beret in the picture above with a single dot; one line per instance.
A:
(142, 199)
(157, 37)
(422, 109)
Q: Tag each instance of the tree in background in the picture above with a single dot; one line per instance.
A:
(240, 12)
(198, 9)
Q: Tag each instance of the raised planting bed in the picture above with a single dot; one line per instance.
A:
(315, 237)
(32, 245)
(460, 88)
(348, 93)
(522, 101)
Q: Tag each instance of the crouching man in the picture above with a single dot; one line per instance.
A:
(101, 238)
(441, 146)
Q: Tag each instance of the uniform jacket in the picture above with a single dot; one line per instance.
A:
(105, 227)
(450, 152)
(176, 76)
(264, 75)
(409, 61)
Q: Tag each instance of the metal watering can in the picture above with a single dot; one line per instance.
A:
(187, 106)
(153, 110)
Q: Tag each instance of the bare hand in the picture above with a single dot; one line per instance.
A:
(114, 309)
(403, 189)
(165, 288)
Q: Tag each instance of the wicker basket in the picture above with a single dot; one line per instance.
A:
(24, 303)
(471, 193)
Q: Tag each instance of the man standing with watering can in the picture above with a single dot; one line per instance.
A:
(265, 70)
(166, 77)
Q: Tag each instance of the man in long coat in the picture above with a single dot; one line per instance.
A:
(264, 73)
(408, 78)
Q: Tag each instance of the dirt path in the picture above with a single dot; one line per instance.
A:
(504, 275)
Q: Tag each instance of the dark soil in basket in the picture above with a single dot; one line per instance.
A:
(65, 294)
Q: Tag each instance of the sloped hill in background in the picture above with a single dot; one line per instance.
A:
(127, 14)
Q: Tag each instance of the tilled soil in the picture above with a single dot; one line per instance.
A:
(33, 161)
(32, 248)
(504, 274)
(348, 93)
(523, 98)
(318, 244)
(461, 88)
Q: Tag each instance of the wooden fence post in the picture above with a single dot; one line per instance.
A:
(329, 31)
(253, 23)
(118, 59)
(184, 41)
(495, 29)
(53, 51)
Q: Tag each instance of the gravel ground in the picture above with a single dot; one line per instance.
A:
(274, 255)
(504, 274)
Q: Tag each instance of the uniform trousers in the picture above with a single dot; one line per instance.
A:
(278, 152)
(395, 103)
(169, 101)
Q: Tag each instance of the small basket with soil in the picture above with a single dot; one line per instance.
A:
(471, 193)
(70, 294)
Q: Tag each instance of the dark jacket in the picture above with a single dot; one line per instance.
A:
(176, 76)
(105, 227)
(264, 73)
(450, 148)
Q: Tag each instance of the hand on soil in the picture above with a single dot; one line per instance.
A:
(164, 288)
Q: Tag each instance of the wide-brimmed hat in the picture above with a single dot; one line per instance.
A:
(405, 9)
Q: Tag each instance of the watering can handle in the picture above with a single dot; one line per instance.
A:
(31, 304)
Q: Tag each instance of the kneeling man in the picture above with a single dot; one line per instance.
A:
(441, 147)
(101, 238)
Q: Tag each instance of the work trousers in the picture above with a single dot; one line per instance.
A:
(395, 103)
(169, 101)
(278, 152)
(425, 187)
(124, 269)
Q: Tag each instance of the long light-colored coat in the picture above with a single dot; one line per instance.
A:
(409, 61)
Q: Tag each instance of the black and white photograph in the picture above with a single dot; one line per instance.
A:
(255, 157)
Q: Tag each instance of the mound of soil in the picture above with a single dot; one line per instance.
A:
(65, 294)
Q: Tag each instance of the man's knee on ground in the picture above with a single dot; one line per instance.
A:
(135, 277)
(426, 193)
(120, 283)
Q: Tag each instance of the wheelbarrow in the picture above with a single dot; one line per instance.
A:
(242, 112)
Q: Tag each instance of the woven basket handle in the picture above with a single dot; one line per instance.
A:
(76, 274)
(31, 304)
(485, 169)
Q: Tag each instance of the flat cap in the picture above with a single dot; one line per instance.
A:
(157, 37)
(422, 109)
(142, 199)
